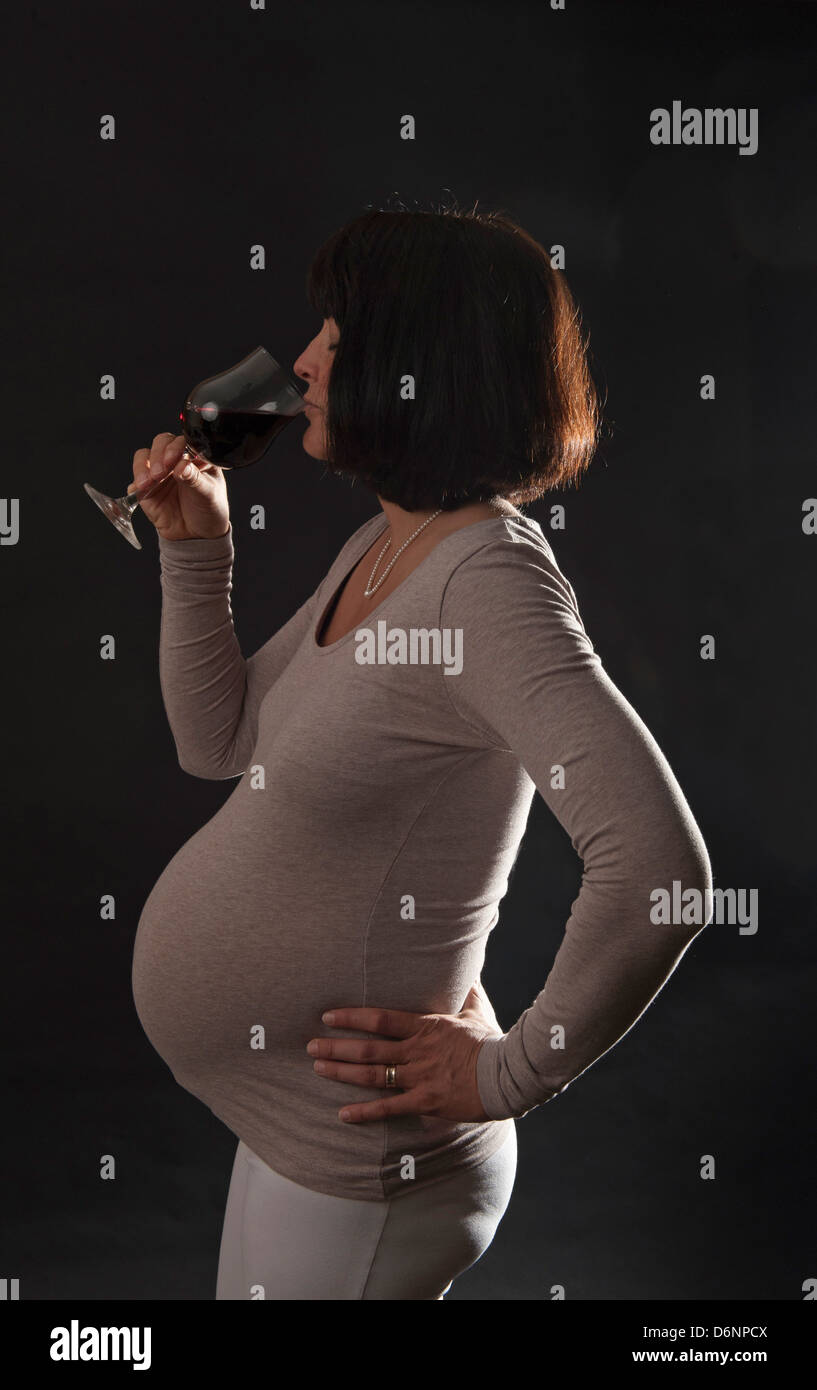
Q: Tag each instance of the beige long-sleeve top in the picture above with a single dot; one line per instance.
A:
(362, 856)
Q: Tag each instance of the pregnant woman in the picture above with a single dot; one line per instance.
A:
(308, 964)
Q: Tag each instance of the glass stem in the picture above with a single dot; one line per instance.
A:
(132, 500)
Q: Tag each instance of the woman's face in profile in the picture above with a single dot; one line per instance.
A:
(314, 366)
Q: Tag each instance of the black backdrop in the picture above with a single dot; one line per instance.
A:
(131, 257)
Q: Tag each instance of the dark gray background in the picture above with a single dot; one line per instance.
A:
(132, 257)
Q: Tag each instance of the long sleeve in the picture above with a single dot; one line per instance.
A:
(211, 693)
(532, 685)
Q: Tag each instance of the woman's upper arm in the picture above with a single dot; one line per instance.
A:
(531, 682)
(264, 668)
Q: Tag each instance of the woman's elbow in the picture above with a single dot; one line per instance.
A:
(215, 769)
(681, 894)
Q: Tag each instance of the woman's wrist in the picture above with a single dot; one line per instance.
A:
(186, 540)
(195, 552)
(487, 1072)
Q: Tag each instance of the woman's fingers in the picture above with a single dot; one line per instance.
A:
(359, 1050)
(360, 1075)
(188, 471)
(178, 513)
(165, 452)
(153, 463)
(141, 474)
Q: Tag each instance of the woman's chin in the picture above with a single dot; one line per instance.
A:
(313, 446)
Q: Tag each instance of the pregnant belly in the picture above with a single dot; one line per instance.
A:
(224, 959)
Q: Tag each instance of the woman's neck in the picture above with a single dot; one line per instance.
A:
(403, 524)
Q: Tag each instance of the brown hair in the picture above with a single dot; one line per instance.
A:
(468, 305)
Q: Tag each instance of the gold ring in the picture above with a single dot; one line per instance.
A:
(391, 1076)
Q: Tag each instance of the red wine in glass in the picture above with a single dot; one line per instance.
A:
(235, 437)
(229, 420)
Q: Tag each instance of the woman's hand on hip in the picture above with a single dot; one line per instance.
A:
(435, 1056)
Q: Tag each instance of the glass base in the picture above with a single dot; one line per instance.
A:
(117, 512)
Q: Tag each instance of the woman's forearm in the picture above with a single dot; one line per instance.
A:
(211, 693)
(612, 962)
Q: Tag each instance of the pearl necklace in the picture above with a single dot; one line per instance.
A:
(372, 588)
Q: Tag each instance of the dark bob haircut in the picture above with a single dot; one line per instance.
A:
(461, 372)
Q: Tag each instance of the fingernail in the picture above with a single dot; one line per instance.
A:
(187, 471)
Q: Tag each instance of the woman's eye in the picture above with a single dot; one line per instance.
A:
(332, 347)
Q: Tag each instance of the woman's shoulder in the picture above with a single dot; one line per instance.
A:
(522, 531)
(508, 566)
(509, 548)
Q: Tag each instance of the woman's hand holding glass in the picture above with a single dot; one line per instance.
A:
(192, 506)
(230, 420)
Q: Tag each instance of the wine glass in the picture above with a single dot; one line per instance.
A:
(230, 420)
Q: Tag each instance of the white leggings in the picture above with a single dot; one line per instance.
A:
(284, 1241)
